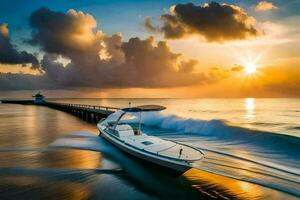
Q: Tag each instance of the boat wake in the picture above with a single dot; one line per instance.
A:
(265, 158)
(220, 161)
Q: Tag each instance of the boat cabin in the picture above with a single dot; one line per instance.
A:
(127, 121)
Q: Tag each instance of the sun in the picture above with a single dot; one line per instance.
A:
(250, 67)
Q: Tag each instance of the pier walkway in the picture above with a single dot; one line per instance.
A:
(89, 113)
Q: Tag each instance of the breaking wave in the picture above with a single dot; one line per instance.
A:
(220, 129)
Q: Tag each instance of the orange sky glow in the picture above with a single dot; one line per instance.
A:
(266, 65)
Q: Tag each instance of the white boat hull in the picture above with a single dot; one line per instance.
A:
(179, 166)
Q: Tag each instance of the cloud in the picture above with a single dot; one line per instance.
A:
(152, 65)
(69, 34)
(187, 65)
(10, 81)
(265, 5)
(98, 60)
(237, 68)
(214, 22)
(113, 48)
(9, 54)
(149, 26)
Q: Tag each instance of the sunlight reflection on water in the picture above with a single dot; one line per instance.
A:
(36, 172)
(249, 111)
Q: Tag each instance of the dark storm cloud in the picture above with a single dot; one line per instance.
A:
(98, 60)
(215, 22)
(9, 54)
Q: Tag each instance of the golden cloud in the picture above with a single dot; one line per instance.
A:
(265, 5)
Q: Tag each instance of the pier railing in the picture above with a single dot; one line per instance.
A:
(91, 107)
(90, 113)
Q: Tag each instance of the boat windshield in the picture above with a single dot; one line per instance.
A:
(129, 124)
(113, 118)
(130, 118)
(123, 123)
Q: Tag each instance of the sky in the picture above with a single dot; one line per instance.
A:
(140, 49)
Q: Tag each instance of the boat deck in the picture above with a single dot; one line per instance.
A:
(162, 147)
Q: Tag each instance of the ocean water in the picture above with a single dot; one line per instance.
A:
(251, 146)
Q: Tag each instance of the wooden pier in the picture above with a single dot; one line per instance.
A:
(89, 113)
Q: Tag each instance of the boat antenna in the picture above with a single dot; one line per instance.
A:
(140, 123)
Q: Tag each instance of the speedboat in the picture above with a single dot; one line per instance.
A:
(123, 129)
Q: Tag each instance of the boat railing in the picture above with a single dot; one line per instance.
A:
(166, 148)
(178, 143)
(190, 146)
(182, 144)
